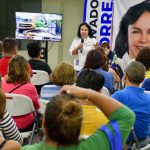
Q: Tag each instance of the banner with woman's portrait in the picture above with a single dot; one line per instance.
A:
(125, 25)
(104, 17)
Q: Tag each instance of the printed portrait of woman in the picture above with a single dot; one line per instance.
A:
(134, 32)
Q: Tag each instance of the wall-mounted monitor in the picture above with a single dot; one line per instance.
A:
(39, 26)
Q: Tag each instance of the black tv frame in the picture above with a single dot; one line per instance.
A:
(39, 26)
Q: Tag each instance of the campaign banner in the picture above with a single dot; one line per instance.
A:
(120, 8)
(99, 15)
(104, 17)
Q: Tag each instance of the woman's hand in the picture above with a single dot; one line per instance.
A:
(80, 46)
(97, 45)
(75, 91)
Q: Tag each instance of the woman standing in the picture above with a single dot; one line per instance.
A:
(82, 44)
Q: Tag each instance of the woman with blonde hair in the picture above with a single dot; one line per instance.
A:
(17, 81)
(63, 73)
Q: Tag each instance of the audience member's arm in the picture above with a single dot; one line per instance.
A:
(9, 128)
(113, 109)
(116, 77)
(106, 104)
(75, 50)
(10, 145)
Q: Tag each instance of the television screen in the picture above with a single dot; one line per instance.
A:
(38, 26)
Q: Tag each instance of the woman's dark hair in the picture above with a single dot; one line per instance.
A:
(33, 49)
(9, 45)
(90, 34)
(144, 57)
(63, 119)
(90, 79)
(130, 17)
(94, 59)
(105, 45)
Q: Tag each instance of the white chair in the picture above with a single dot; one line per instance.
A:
(147, 92)
(39, 77)
(19, 105)
(135, 145)
(105, 91)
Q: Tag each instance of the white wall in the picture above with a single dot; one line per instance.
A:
(72, 16)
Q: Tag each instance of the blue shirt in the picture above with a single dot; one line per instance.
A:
(146, 84)
(139, 103)
(109, 79)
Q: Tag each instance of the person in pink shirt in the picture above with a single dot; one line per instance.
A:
(17, 81)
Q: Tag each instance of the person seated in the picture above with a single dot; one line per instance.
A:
(9, 144)
(107, 67)
(66, 115)
(144, 57)
(7, 124)
(95, 60)
(109, 53)
(139, 102)
(17, 81)
(34, 50)
(9, 50)
(146, 84)
(63, 73)
(90, 79)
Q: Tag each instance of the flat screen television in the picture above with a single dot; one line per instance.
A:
(39, 26)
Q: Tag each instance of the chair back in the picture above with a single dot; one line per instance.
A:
(105, 91)
(148, 92)
(48, 91)
(138, 145)
(18, 104)
(39, 77)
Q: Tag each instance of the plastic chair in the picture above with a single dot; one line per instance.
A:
(105, 91)
(48, 91)
(135, 144)
(19, 105)
(40, 77)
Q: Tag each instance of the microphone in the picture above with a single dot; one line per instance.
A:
(82, 41)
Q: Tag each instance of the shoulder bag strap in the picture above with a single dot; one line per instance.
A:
(118, 137)
(2, 144)
(109, 135)
(114, 139)
(16, 88)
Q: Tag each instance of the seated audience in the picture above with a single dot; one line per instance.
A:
(9, 144)
(34, 50)
(109, 53)
(9, 50)
(63, 73)
(95, 60)
(115, 63)
(17, 81)
(146, 84)
(134, 97)
(90, 79)
(108, 67)
(65, 113)
(144, 57)
(7, 124)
